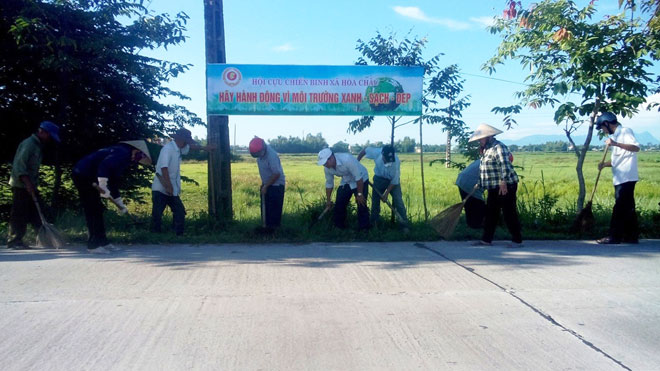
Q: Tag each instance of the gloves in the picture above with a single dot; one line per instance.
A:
(120, 204)
(103, 186)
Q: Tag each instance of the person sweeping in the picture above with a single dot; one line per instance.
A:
(24, 180)
(623, 225)
(386, 181)
(354, 182)
(496, 175)
(272, 182)
(98, 175)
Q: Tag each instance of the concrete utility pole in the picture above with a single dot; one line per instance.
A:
(218, 126)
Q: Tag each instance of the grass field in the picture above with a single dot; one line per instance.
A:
(546, 195)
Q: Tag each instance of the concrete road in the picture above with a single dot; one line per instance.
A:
(554, 305)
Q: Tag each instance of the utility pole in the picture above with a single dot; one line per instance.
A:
(218, 126)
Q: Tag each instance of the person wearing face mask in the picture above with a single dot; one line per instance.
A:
(98, 175)
(166, 186)
(387, 180)
(623, 225)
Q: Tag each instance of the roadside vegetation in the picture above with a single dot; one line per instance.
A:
(546, 202)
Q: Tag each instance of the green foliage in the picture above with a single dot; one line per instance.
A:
(340, 147)
(440, 84)
(546, 203)
(77, 63)
(578, 65)
(311, 144)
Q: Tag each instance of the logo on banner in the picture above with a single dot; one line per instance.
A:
(231, 76)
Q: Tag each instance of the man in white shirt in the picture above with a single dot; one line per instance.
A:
(354, 179)
(387, 179)
(166, 186)
(623, 225)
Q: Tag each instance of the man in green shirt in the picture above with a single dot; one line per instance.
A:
(24, 181)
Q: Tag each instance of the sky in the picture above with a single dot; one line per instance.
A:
(326, 33)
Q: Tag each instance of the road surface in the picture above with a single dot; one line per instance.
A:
(553, 305)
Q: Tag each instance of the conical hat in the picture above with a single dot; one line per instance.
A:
(484, 131)
(141, 145)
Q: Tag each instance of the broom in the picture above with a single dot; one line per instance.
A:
(585, 219)
(445, 222)
(48, 235)
(387, 202)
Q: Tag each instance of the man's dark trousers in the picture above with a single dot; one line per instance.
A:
(22, 212)
(93, 209)
(623, 225)
(344, 194)
(159, 202)
(274, 200)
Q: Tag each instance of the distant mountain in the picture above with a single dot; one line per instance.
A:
(643, 138)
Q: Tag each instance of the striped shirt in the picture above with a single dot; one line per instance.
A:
(495, 166)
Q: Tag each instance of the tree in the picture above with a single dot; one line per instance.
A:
(78, 63)
(579, 67)
(439, 83)
(340, 147)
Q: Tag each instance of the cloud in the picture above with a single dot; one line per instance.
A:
(414, 12)
(284, 48)
(483, 21)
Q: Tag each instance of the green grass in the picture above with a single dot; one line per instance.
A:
(547, 194)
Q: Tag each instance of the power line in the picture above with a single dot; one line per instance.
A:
(492, 78)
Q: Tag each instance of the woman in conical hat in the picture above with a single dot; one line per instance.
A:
(496, 175)
(98, 175)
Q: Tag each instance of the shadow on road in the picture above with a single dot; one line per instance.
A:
(396, 255)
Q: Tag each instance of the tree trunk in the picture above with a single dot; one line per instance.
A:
(421, 160)
(448, 151)
(582, 154)
(392, 121)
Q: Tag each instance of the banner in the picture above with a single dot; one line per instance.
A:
(243, 89)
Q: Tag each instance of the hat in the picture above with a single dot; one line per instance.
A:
(484, 131)
(256, 145)
(605, 117)
(388, 154)
(184, 135)
(52, 129)
(324, 155)
(140, 145)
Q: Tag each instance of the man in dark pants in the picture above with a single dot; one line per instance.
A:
(387, 180)
(354, 178)
(98, 175)
(272, 181)
(623, 225)
(166, 186)
(24, 180)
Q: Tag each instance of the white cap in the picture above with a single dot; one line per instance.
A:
(324, 155)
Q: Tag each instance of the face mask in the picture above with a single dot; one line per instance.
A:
(388, 164)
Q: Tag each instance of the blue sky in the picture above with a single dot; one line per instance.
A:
(326, 33)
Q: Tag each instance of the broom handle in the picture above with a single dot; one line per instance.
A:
(474, 189)
(593, 192)
(386, 201)
(36, 203)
